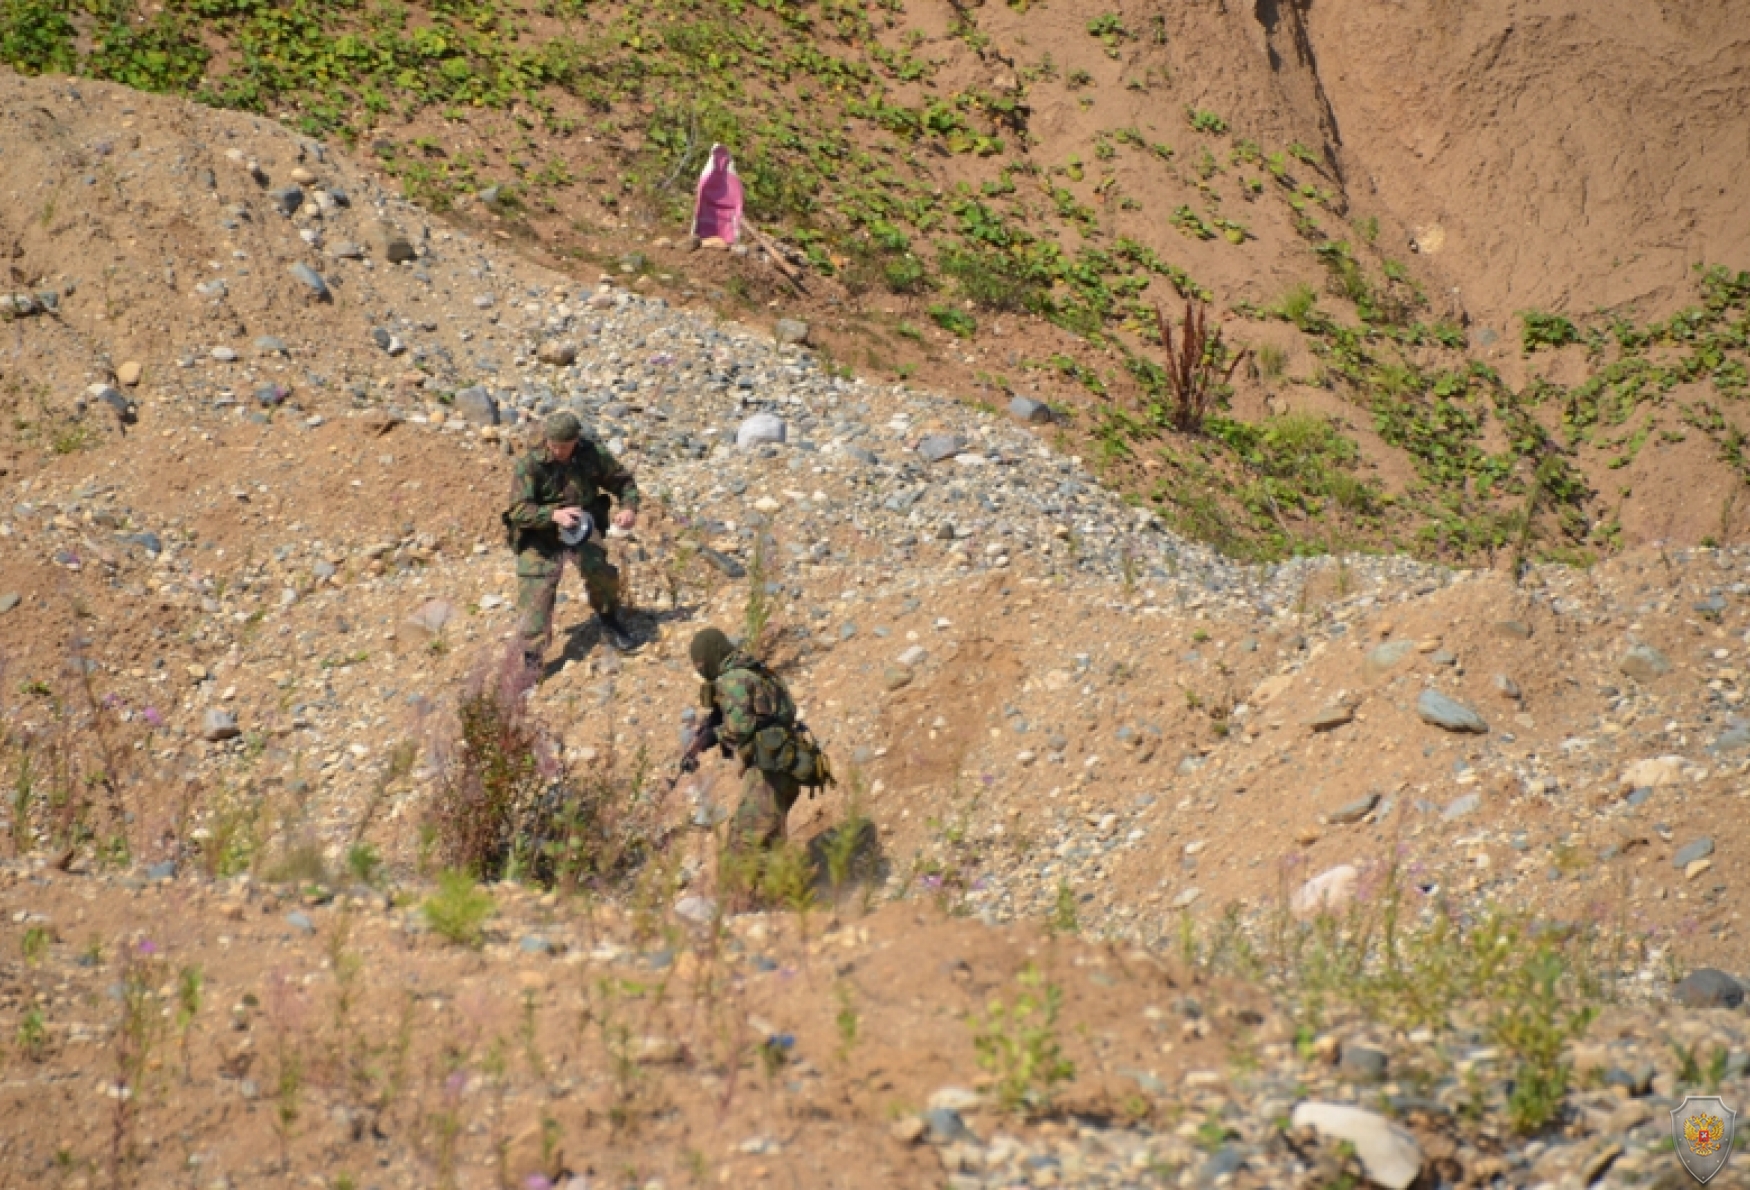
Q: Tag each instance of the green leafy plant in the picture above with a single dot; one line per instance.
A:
(1018, 1046)
(459, 909)
(1204, 121)
(955, 322)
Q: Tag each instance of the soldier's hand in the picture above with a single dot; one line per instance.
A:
(567, 518)
(625, 518)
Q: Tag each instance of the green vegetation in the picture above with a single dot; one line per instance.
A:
(458, 910)
(1018, 1046)
(1530, 991)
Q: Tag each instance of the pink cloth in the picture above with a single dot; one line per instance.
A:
(717, 211)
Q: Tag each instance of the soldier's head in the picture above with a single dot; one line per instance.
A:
(708, 650)
(562, 431)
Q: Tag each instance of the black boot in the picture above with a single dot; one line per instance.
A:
(615, 633)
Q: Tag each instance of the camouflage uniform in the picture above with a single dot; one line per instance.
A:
(542, 486)
(749, 696)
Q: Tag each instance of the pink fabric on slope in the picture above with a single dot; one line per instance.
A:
(717, 211)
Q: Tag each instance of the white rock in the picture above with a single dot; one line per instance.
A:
(696, 909)
(1654, 772)
(761, 428)
(954, 1099)
(1388, 1154)
(1328, 892)
(1187, 898)
(913, 657)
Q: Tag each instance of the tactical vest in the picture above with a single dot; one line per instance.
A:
(779, 743)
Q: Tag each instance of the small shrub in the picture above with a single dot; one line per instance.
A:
(1546, 330)
(1272, 361)
(1198, 372)
(955, 322)
(1017, 1045)
(33, 1035)
(1204, 121)
(1299, 306)
(458, 911)
(493, 773)
(364, 864)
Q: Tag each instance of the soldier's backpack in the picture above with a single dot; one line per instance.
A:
(780, 744)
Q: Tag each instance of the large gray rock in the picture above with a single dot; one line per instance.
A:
(936, 447)
(1709, 988)
(1026, 409)
(1448, 713)
(1644, 663)
(791, 331)
(760, 429)
(1389, 1155)
(219, 725)
(477, 407)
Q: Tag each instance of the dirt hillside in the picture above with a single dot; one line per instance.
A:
(1453, 240)
(1177, 855)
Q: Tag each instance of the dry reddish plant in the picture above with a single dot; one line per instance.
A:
(1198, 369)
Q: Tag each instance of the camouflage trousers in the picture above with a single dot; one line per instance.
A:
(538, 574)
(766, 799)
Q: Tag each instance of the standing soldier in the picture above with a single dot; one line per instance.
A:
(753, 714)
(558, 507)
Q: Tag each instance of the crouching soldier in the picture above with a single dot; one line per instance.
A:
(558, 512)
(753, 715)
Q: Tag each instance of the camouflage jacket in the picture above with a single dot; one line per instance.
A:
(542, 486)
(751, 698)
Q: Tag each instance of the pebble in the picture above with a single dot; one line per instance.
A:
(477, 407)
(1331, 718)
(224, 355)
(310, 279)
(286, 199)
(1644, 663)
(1448, 713)
(301, 922)
(1330, 891)
(219, 725)
(557, 353)
(760, 429)
(9, 600)
(790, 332)
(1386, 657)
(1690, 853)
(128, 374)
(1354, 811)
(1029, 411)
(937, 447)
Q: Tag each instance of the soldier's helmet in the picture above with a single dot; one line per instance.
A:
(563, 427)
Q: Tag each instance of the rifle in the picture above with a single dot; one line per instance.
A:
(704, 736)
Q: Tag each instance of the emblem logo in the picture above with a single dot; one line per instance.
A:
(1701, 1129)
